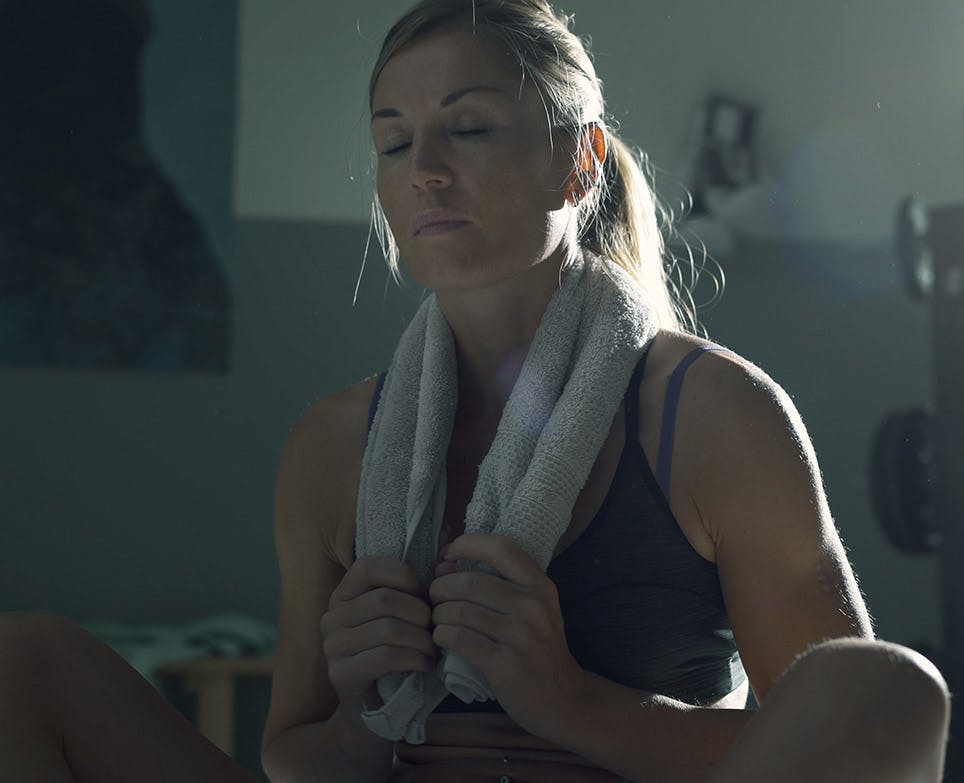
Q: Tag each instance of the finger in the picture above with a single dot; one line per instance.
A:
(375, 604)
(501, 552)
(487, 622)
(369, 572)
(387, 602)
(383, 632)
(371, 664)
(492, 592)
(476, 648)
(445, 568)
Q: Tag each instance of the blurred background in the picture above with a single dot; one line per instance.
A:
(184, 205)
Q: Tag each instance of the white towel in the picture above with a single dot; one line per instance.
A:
(552, 428)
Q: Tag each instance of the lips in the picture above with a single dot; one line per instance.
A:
(436, 217)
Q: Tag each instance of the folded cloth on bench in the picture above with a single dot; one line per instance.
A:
(149, 647)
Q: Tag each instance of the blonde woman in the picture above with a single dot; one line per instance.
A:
(697, 560)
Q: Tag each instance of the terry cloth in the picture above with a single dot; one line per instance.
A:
(590, 337)
(149, 647)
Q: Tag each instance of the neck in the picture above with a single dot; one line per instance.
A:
(493, 328)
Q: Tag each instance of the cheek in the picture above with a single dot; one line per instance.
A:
(383, 189)
(517, 188)
(388, 198)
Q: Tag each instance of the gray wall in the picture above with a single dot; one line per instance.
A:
(138, 497)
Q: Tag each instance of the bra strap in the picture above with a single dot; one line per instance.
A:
(667, 432)
(373, 405)
(631, 403)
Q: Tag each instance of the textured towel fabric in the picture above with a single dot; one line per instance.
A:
(552, 428)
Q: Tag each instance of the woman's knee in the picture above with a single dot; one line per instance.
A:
(32, 645)
(895, 698)
(28, 638)
(873, 667)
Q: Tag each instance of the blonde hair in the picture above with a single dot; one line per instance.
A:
(621, 218)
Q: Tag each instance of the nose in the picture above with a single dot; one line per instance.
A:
(428, 166)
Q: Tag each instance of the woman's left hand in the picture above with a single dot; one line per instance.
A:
(510, 627)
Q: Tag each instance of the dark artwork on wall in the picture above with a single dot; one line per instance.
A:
(103, 264)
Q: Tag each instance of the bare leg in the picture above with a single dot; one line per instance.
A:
(73, 710)
(852, 711)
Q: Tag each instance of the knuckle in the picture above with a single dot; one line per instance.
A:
(328, 648)
(383, 599)
(338, 671)
(325, 624)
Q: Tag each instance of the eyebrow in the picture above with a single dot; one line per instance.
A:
(448, 100)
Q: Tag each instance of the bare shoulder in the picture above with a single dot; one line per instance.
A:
(746, 488)
(322, 457)
(732, 417)
(722, 391)
(669, 348)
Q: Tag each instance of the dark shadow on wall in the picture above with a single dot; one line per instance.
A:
(102, 263)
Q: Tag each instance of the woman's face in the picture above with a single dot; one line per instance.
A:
(456, 137)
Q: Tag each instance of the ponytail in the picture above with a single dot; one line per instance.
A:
(624, 223)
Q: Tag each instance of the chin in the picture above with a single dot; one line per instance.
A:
(454, 267)
(441, 270)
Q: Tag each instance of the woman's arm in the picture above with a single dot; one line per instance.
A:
(744, 461)
(754, 481)
(309, 736)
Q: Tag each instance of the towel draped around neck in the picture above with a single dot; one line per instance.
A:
(553, 426)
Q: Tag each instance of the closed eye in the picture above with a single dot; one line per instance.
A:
(469, 132)
(396, 150)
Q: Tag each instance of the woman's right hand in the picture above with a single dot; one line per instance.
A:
(378, 621)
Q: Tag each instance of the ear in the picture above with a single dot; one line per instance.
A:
(589, 160)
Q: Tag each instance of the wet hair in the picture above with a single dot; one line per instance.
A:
(620, 218)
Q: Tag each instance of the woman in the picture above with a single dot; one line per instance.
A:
(495, 169)
(699, 556)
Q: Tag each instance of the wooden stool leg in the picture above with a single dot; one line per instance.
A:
(215, 709)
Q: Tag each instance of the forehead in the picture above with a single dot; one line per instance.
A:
(438, 63)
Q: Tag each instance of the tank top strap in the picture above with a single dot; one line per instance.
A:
(373, 405)
(631, 402)
(667, 432)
